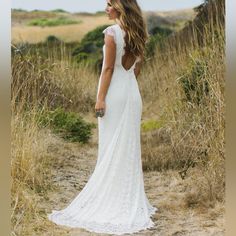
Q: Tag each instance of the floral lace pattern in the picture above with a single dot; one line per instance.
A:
(110, 31)
(114, 201)
(106, 227)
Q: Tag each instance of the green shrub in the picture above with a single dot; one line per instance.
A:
(82, 57)
(158, 34)
(60, 11)
(53, 39)
(52, 22)
(89, 49)
(160, 31)
(69, 125)
(151, 45)
(91, 42)
(86, 47)
(193, 80)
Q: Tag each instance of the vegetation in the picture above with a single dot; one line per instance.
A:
(157, 35)
(52, 22)
(152, 125)
(89, 49)
(20, 15)
(60, 10)
(194, 83)
(183, 126)
(186, 85)
(40, 87)
(19, 10)
(69, 125)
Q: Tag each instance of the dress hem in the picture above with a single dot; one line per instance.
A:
(106, 228)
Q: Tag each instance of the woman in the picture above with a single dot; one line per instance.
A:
(114, 201)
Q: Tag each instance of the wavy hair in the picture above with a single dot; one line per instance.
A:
(132, 22)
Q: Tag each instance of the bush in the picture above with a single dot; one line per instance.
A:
(69, 125)
(91, 42)
(193, 81)
(82, 57)
(158, 34)
(161, 31)
(90, 48)
(53, 39)
(60, 11)
(52, 22)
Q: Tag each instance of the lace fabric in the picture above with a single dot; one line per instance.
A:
(105, 227)
(113, 200)
(110, 31)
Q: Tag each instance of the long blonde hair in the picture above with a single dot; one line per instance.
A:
(132, 22)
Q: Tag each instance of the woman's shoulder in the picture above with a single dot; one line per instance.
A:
(110, 29)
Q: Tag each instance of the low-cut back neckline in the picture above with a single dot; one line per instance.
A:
(127, 70)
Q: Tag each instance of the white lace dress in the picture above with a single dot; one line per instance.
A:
(114, 201)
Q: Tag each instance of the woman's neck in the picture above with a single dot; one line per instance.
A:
(118, 23)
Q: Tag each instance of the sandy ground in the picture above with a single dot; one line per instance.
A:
(73, 163)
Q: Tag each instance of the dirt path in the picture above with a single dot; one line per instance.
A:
(73, 163)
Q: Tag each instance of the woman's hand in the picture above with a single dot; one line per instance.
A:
(100, 107)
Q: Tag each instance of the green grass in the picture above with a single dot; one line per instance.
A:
(152, 125)
(52, 22)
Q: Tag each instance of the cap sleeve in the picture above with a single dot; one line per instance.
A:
(110, 31)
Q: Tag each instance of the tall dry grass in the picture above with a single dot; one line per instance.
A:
(192, 136)
(29, 170)
(39, 84)
(53, 80)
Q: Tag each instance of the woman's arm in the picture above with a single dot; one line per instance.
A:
(137, 68)
(106, 75)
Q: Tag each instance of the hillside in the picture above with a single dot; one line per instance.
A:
(74, 32)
